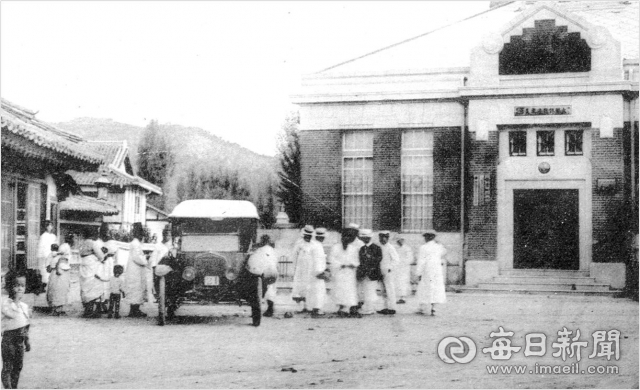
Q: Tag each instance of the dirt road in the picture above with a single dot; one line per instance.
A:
(214, 346)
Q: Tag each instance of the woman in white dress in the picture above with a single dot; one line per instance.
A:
(430, 274)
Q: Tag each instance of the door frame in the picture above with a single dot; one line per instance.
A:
(506, 222)
(534, 200)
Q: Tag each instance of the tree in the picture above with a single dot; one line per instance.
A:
(155, 159)
(289, 190)
(266, 208)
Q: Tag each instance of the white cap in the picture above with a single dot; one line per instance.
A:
(366, 233)
(307, 231)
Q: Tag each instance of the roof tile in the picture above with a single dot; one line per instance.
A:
(88, 204)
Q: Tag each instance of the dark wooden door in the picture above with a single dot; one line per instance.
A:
(546, 229)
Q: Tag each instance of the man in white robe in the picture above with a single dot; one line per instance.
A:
(430, 272)
(403, 271)
(44, 248)
(388, 266)
(344, 259)
(317, 288)
(302, 259)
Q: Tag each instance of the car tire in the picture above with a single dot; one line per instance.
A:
(162, 302)
(256, 305)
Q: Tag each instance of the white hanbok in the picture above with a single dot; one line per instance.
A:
(317, 288)
(264, 261)
(135, 275)
(90, 266)
(345, 287)
(430, 268)
(302, 259)
(44, 248)
(388, 266)
(403, 271)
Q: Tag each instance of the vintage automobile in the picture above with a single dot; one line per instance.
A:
(213, 241)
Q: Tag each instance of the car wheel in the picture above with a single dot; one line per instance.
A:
(162, 302)
(256, 305)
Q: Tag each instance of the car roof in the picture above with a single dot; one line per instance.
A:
(215, 208)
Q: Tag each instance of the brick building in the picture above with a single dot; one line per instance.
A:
(509, 133)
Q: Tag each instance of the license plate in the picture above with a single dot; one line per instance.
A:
(211, 280)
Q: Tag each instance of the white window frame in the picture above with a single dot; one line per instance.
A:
(414, 152)
(362, 150)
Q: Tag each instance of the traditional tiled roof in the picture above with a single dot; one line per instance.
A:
(21, 131)
(451, 46)
(88, 204)
(117, 178)
(113, 152)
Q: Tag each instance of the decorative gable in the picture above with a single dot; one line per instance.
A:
(545, 48)
(546, 39)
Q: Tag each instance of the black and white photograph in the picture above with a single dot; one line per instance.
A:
(319, 194)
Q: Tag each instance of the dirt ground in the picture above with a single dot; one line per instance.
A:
(215, 347)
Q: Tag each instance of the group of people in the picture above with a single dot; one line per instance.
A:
(357, 267)
(103, 282)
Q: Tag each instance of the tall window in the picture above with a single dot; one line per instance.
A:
(517, 143)
(417, 180)
(545, 143)
(137, 205)
(573, 142)
(357, 178)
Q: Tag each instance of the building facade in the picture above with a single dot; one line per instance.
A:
(122, 187)
(512, 133)
(35, 156)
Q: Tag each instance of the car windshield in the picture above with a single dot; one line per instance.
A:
(214, 243)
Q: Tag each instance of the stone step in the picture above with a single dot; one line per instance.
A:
(544, 279)
(543, 272)
(544, 285)
(476, 290)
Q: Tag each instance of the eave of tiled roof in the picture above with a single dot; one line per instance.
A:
(88, 204)
(116, 177)
(48, 142)
(113, 152)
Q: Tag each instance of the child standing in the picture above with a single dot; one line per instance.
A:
(116, 287)
(15, 329)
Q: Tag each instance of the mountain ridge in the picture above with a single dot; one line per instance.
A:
(194, 147)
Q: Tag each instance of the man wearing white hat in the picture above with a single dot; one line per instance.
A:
(317, 288)
(303, 258)
(388, 265)
(430, 273)
(368, 273)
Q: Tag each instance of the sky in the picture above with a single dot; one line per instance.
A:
(227, 67)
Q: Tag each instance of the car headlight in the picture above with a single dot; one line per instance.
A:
(230, 274)
(189, 274)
